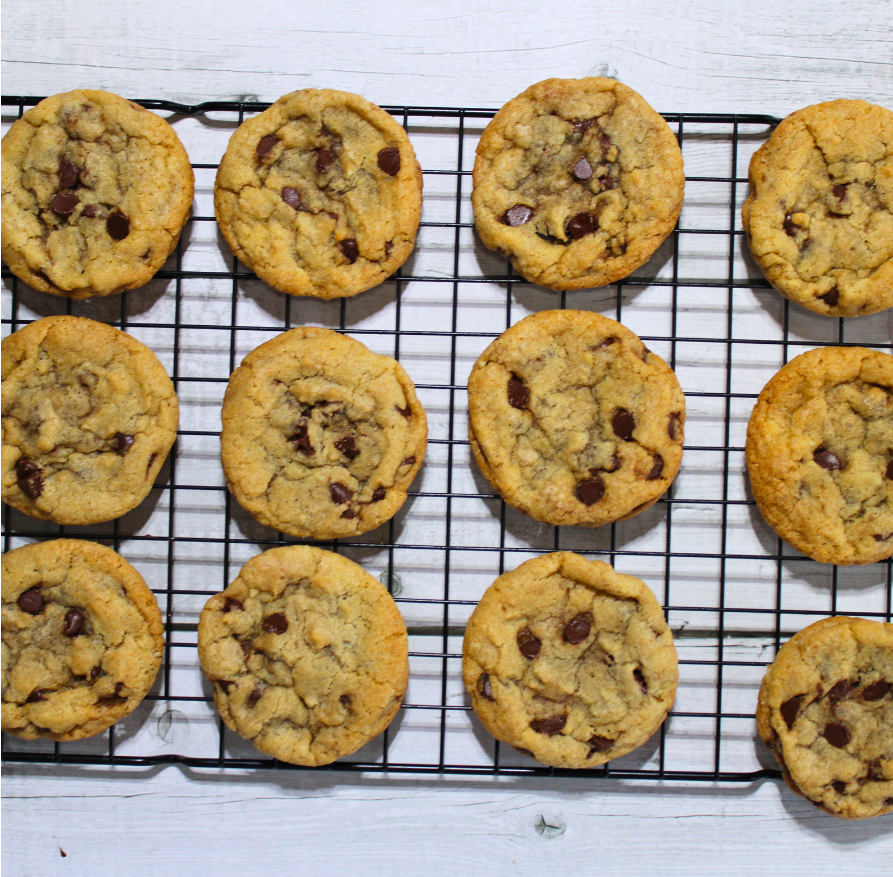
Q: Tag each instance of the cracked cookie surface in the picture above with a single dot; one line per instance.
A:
(89, 416)
(96, 191)
(82, 639)
(573, 420)
(819, 454)
(819, 213)
(321, 437)
(320, 194)
(307, 654)
(826, 711)
(569, 660)
(577, 181)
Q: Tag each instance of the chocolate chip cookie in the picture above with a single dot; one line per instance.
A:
(573, 420)
(89, 416)
(819, 453)
(320, 194)
(569, 660)
(96, 191)
(577, 181)
(819, 213)
(307, 653)
(321, 437)
(826, 711)
(82, 639)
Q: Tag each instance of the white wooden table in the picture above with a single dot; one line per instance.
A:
(713, 57)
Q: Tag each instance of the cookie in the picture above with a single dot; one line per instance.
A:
(82, 639)
(89, 416)
(307, 653)
(819, 212)
(321, 437)
(819, 453)
(96, 191)
(577, 181)
(320, 194)
(573, 420)
(569, 660)
(826, 711)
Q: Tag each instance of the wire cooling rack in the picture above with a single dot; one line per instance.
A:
(732, 591)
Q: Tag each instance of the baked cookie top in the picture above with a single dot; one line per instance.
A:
(819, 213)
(320, 194)
(96, 190)
(569, 660)
(307, 653)
(82, 639)
(577, 182)
(573, 420)
(826, 710)
(89, 416)
(819, 454)
(321, 437)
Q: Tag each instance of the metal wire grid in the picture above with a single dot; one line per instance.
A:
(732, 637)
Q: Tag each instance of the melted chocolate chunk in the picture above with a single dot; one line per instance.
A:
(122, 443)
(301, 440)
(840, 191)
(639, 676)
(68, 174)
(117, 225)
(517, 215)
(325, 158)
(231, 605)
(790, 227)
(609, 183)
(31, 601)
(254, 696)
(890, 470)
(349, 514)
(598, 744)
(91, 210)
(349, 250)
(831, 298)
(74, 622)
(25, 467)
(582, 170)
(623, 424)
(789, 710)
(484, 687)
(29, 477)
(389, 160)
(606, 343)
(876, 690)
(378, 494)
(584, 125)
(518, 394)
(247, 651)
(94, 674)
(656, 469)
(581, 225)
(37, 695)
(839, 690)
(827, 460)
(836, 734)
(578, 628)
(529, 643)
(339, 493)
(291, 196)
(64, 203)
(550, 727)
(408, 461)
(265, 144)
(348, 447)
(673, 427)
(591, 490)
(275, 623)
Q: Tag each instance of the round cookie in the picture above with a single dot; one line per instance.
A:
(825, 710)
(573, 420)
(819, 453)
(320, 194)
(321, 437)
(819, 213)
(82, 639)
(307, 653)
(569, 660)
(577, 182)
(89, 416)
(96, 191)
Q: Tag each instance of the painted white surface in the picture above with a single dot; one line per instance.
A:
(759, 57)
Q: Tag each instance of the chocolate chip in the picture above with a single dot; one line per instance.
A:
(31, 601)
(68, 174)
(406, 412)
(349, 250)
(122, 443)
(831, 298)
(389, 160)
(255, 695)
(325, 158)
(291, 196)
(301, 440)
(827, 460)
(266, 144)
(231, 605)
(581, 225)
(656, 469)
(549, 727)
(790, 227)
(37, 695)
(484, 687)
(616, 463)
(890, 470)
(578, 628)
(64, 203)
(673, 427)
(408, 461)
(839, 786)
(840, 191)
(90, 210)
(94, 674)
(378, 494)
(623, 424)
(29, 477)
(117, 225)
(74, 622)
(584, 125)
(876, 690)
(609, 183)
(517, 215)
(836, 734)
(529, 643)
(275, 623)
(639, 676)
(582, 170)
(247, 651)
(606, 343)
(339, 493)
(591, 490)
(598, 744)
(839, 690)
(519, 395)
(348, 447)
(789, 710)
(349, 514)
